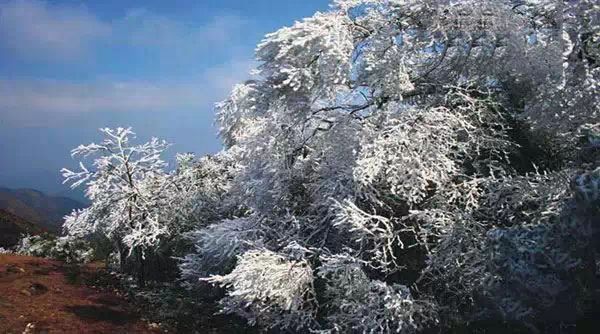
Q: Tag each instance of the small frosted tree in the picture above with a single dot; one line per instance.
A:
(129, 191)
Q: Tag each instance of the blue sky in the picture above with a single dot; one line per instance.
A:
(69, 67)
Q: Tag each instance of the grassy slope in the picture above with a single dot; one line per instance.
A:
(53, 297)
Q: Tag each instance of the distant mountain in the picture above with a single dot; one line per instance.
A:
(76, 194)
(12, 227)
(38, 208)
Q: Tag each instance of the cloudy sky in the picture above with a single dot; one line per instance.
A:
(69, 67)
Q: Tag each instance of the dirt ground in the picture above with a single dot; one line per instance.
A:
(52, 297)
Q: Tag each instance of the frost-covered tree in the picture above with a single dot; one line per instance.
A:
(271, 288)
(435, 160)
(140, 207)
(129, 191)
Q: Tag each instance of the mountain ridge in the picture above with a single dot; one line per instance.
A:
(37, 207)
(13, 226)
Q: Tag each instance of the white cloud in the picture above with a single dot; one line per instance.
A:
(46, 32)
(175, 41)
(35, 29)
(39, 30)
(141, 27)
(34, 102)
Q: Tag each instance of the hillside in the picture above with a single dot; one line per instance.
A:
(52, 297)
(12, 227)
(37, 207)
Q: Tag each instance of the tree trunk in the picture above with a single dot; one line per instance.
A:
(122, 257)
(141, 269)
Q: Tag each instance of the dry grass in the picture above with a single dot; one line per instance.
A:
(53, 297)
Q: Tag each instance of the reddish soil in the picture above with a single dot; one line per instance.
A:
(55, 299)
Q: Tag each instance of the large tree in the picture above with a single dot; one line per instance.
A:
(402, 164)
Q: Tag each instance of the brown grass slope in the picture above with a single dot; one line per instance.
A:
(55, 298)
